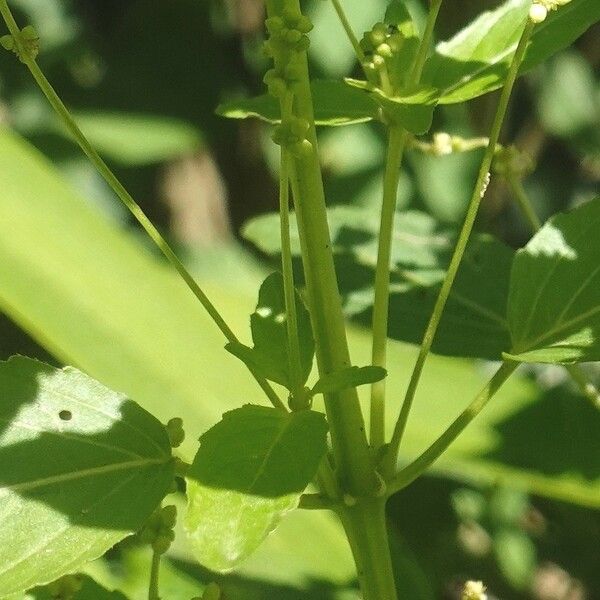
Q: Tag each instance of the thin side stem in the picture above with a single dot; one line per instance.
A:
(288, 275)
(396, 145)
(154, 576)
(586, 387)
(391, 457)
(349, 32)
(419, 465)
(397, 141)
(123, 194)
(425, 44)
(520, 195)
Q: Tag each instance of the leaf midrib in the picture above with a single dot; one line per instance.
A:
(27, 486)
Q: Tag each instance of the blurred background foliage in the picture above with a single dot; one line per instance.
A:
(144, 78)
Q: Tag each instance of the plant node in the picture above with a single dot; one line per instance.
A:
(26, 47)
(158, 530)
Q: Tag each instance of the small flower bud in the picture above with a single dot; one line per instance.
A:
(274, 24)
(378, 61)
(212, 592)
(299, 127)
(378, 33)
(304, 24)
(303, 44)
(384, 50)
(7, 42)
(538, 13)
(168, 516)
(293, 36)
(175, 432)
(395, 42)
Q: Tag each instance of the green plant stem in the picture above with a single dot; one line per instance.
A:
(288, 276)
(520, 195)
(354, 464)
(398, 139)
(409, 473)
(391, 457)
(154, 575)
(348, 29)
(432, 15)
(396, 143)
(365, 526)
(586, 387)
(123, 194)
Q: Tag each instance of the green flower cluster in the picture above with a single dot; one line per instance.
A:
(286, 44)
(380, 46)
(158, 530)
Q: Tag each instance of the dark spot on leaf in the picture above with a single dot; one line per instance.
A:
(65, 415)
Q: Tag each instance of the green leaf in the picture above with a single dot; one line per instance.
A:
(334, 103)
(348, 378)
(81, 467)
(134, 139)
(412, 109)
(109, 306)
(90, 590)
(476, 60)
(270, 355)
(250, 471)
(554, 300)
(474, 322)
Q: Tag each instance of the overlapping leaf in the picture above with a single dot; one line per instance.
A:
(81, 467)
(334, 104)
(270, 355)
(554, 301)
(113, 309)
(248, 473)
(476, 60)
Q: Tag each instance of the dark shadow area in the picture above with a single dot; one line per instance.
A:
(558, 434)
(239, 587)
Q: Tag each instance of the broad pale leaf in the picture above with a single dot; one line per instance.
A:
(136, 139)
(334, 104)
(109, 306)
(248, 473)
(347, 378)
(476, 60)
(270, 355)
(81, 467)
(554, 300)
